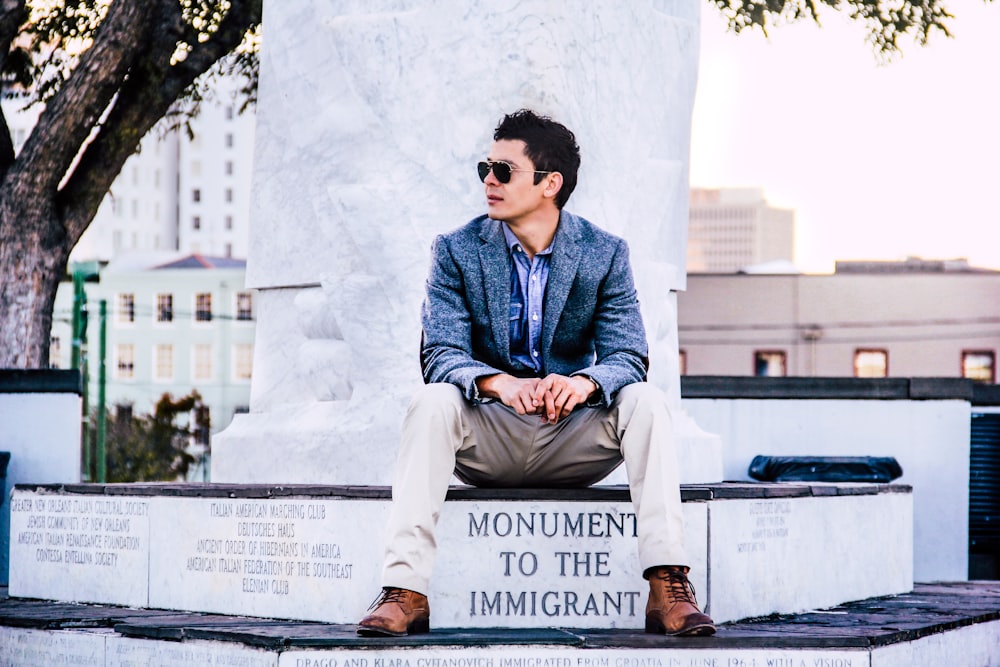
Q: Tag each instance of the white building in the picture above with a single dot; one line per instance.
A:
(214, 173)
(733, 228)
(174, 324)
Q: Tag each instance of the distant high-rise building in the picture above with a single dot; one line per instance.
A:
(733, 228)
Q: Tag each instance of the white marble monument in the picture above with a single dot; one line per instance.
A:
(372, 115)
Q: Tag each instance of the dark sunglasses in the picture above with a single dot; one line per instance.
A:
(501, 170)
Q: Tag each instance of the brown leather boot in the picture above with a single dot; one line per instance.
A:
(397, 612)
(672, 608)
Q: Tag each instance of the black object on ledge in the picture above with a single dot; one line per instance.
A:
(877, 469)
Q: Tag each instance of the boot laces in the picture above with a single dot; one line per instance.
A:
(388, 595)
(679, 588)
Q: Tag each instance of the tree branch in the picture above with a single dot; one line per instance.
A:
(70, 116)
(12, 15)
(143, 100)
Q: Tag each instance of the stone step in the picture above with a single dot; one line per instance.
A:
(954, 624)
(509, 558)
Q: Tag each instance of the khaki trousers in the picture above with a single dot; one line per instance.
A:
(490, 445)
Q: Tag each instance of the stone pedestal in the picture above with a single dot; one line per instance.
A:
(371, 118)
(520, 558)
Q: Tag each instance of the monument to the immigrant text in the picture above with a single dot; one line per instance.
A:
(371, 118)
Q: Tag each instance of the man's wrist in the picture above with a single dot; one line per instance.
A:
(596, 391)
(485, 387)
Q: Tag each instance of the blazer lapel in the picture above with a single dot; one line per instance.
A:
(562, 270)
(493, 258)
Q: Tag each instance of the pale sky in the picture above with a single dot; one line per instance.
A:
(879, 161)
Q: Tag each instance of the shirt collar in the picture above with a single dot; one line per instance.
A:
(513, 243)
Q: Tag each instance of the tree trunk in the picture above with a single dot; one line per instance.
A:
(34, 259)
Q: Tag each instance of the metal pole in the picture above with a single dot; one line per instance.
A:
(78, 360)
(102, 382)
(74, 356)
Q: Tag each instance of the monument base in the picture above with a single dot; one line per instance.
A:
(515, 558)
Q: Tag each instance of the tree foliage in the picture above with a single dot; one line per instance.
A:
(888, 21)
(153, 447)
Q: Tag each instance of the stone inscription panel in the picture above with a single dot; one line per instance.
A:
(129, 652)
(518, 657)
(301, 558)
(79, 548)
(21, 647)
(776, 554)
(531, 564)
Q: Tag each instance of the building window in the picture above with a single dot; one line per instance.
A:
(769, 363)
(126, 308)
(202, 355)
(229, 250)
(229, 113)
(125, 361)
(196, 222)
(229, 222)
(203, 307)
(682, 361)
(229, 167)
(871, 363)
(229, 140)
(244, 306)
(196, 195)
(979, 365)
(55, 351)
(243, 366)
(164, 307)
(163, 362)
(229, 195)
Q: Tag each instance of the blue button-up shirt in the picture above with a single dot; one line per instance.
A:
(528, 279)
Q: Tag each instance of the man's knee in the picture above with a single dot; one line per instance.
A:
(642, 397)
(437, 396)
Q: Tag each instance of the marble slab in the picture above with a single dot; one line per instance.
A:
(972, 645)
(28, 647)
(524, 564)
(555, 657)
(129, 652)
(782, 555)
(301, 558)
(80, 547)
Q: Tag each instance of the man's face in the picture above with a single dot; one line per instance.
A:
(520, 198)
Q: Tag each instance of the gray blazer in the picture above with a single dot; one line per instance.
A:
(591, 321)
